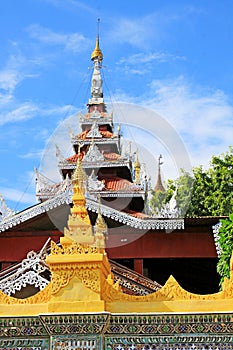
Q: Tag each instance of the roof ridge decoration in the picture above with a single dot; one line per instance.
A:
(94, 132)
(93, 154)
(65, 198)
(93, 183)
(47, 189)
(5, 211)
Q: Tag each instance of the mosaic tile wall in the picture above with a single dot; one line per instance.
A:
(118, 332)
(74, 343)
(173, 332)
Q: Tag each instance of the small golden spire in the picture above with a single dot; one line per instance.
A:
(79, 224)
(101, 229)
(100, 223)
(79, 175)
(97, 53)
(78, 198)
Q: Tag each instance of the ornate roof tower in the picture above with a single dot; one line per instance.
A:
(110, 174)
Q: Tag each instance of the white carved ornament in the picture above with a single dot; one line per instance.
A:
(65, 198)
(94, 132)
(5, 212)
(93, 154)
(27, 273)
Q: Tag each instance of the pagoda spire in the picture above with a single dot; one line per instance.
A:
(96, 83)
(159, 185)
(97, 53)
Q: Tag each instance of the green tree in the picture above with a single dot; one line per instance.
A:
(226, 246)
(159, 198)
(220, 200)
(204, 192)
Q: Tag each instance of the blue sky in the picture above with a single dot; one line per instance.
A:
(173, 57)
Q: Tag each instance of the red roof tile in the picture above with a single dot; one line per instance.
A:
(107, 156)
(111, 156)
(105, 133)
(136, 214)
(74, 158)
(118, 184)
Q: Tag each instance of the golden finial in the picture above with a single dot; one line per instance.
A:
(79, 224)
(78, 198)
(79, 175)
(100, 223)
(97, 53)
(101, 229)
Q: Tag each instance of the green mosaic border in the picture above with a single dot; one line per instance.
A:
(166, 324)
(120, 331)
(25, 344)
(169, 342)
(16, 327)
(75, 323)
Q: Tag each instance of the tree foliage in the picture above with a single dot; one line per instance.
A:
(226, 246)
(204, 192)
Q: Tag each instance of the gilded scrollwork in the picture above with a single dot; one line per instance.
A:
(61, 279)
(90, 278)
(171, 291)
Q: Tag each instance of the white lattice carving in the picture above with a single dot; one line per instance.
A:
(65, 198)
(216, 238)
(46, 189)
(94, 184)
(5, 212)
(94, 132)
(27, 273)
(167, 212)
(93, 154)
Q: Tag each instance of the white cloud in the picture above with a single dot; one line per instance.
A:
(202, 117)
(63, 111)
(11, 194)
(72, 42)
(33, 154)
(142, 57)
(136, 32)
(5, 99)
(9, 79)
(22, 112)
(71, 5)
(16, 112)
(149, 30)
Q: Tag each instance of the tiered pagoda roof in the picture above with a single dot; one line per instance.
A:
(110, 173)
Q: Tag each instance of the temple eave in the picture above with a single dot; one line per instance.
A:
(94, 164)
